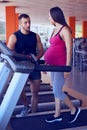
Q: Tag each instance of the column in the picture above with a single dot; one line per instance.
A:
(84, 29)
(71, 21)
(11, 21)
(16, 21)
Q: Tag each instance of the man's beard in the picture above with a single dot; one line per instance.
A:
(27, 30)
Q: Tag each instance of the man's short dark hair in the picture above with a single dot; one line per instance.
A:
(23, 16)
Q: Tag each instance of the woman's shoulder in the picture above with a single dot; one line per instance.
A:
(66, 30)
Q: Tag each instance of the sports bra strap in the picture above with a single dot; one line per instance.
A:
(60, 29)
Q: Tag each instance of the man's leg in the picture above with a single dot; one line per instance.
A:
(34, 86)
(24, 98)
(26, 109)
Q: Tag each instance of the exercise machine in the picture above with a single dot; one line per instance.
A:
(21, 67)
(5, 75)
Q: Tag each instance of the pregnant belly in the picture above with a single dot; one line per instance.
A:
(54, 56)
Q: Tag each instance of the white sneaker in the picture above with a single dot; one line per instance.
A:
(25, 111)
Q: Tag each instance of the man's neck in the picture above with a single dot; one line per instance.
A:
(24, 32)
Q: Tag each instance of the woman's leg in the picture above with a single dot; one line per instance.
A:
(57, 83)
(68, 102)
(76, 95)
(57, 107)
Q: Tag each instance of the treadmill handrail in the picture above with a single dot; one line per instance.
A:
(27, 66)
(5, 50)
(19, 66)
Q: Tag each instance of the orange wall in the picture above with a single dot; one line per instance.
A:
(84, 29)
(72, 25)
(11, 21)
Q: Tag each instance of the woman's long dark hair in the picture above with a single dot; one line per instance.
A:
(58, 16)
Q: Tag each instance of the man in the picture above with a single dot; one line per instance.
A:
(25, 41)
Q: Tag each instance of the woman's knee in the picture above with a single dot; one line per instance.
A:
(59, 94)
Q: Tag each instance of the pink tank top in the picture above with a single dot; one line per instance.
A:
(56, 53)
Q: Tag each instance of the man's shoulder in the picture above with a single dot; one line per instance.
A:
(17, 32)
(32, 32)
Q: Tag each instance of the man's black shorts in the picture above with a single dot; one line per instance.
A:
(35, 75)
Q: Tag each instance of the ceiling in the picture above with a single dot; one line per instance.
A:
(39, 9)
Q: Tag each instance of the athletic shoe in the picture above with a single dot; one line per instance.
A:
(74, 116)
(25, 111)
(53, 119)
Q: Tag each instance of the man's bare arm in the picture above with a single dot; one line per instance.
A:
(11, 42)
(40, 47)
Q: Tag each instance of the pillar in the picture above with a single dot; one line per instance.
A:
(11, 21)
(16, 21)
(72, 23)
(84, 29)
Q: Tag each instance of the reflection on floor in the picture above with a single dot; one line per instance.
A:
(76, 85)
(79, 81)
(77, 128)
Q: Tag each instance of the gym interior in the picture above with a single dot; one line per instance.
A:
(12, 74)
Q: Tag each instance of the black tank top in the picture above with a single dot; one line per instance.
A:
(26, 43)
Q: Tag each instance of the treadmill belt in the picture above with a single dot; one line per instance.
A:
(38, 122)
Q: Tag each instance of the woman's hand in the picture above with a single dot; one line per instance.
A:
(44, 72)
(66, 74)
